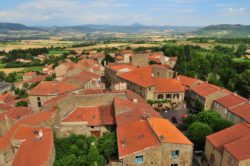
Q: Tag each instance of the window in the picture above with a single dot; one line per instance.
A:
(38, 98)
(175, 153)
(39, 104)
(168, 96)
(158, 73)
(139, 159)
(225, 111)
(92, 127)
(176, 96)
(160, 96)
(174, 164)
(211, 158)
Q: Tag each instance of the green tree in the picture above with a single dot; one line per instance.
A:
(107, 145)
(21, 104)
(241, 51)
(197, 133)
(2, 76)
(12, 77)
(221, 124)
(108, 59)
(243, 84)
(93, 157)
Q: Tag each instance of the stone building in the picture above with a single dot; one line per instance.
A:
(144, 138)
(29, 75)
(85, 80)
(229, 147)
(206, 93)
(47, 90)
(233, 108)
(112, 70)
(29, 141)
(154, 82)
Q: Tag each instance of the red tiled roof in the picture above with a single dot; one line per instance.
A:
(242, 111)
(5, 106)
(131, 111)
(117, 67)
(52, 88)
(167, 132)
(134, 137)
(127, 51)
(119, 57)
(7, 97)
(229, 135)
(164, 85)
(16, 112)
(84, 77)
(240, 148)
(31, 120)
(29, 74)
(206, 89)
(37, 79)
(95, 116)
(187, 81)
(31, 152)
(230, 101)
(141, 76)
(55, 100)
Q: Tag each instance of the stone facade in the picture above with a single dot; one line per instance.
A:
(207, 101)
(139, 59)
(215, 158)
(162, 155)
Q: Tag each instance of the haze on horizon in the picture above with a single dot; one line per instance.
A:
(125, 12)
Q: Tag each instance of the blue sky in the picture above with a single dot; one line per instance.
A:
(124, 12)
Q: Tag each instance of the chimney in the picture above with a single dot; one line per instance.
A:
(235, 93)
(40, 134)
(135, 100)
(6, 119)
(105, 63)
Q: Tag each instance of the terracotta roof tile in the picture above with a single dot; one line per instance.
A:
(16, 112)
(187, 81)
(230, 101)
(240, 148)
(52, 88)
(164, 85)
(229, 135)
(242, 111)
(134, 137)
(31, 120)
(206, 89)
(128, 111)
(29, 74)
(95, 116)
(33, 152)
(167, 132)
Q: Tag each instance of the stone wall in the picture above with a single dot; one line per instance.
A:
(210, 151)
(34, 101)
(162, 155)
(6, 157)
(210, 99)
(140, 59)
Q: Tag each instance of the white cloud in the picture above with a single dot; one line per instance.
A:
(231, 11)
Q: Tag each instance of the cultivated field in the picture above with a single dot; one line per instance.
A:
(26, 44)
(10, 70)
(117, 45)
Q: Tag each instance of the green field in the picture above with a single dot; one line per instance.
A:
(33, 68)
(57, 52)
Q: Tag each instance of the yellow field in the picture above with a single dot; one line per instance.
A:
(10, 70)
(121, 45)
(25, 44)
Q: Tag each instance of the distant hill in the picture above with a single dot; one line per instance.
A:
(15, 27)
(225, 30)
